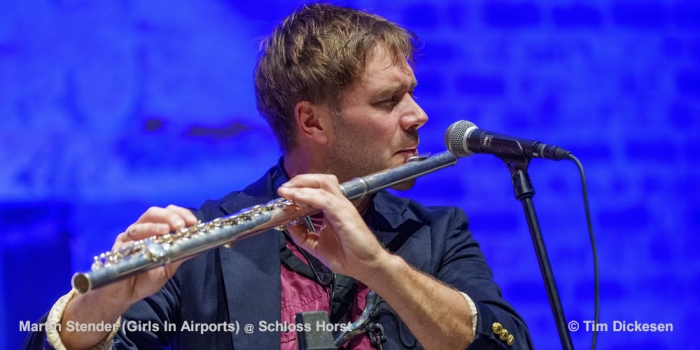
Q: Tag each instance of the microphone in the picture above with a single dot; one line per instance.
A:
(463, 139)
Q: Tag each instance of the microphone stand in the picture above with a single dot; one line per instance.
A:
(517, 164)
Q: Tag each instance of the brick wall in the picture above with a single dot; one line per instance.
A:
(108, 108)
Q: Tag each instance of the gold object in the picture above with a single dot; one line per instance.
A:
(510, 340)
(504, 335)
(497, 328)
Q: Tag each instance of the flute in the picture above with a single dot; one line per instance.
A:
(152, 252)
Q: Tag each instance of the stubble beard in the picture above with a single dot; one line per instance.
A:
(349, 159)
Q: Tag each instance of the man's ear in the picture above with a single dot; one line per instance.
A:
(313, 122)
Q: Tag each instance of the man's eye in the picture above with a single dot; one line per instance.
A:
(389, 101)
(395, 100)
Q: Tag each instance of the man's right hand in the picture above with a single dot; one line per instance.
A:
(106, 304)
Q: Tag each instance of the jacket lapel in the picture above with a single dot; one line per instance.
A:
(385, 217)
(400, 230)
(251, 273)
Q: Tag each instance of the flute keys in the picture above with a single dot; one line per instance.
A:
(155, 251)
(182, 232)
(97, 263)
(256, 210)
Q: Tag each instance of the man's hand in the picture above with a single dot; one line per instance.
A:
(109, 302)
(154, 222)
(344, 243)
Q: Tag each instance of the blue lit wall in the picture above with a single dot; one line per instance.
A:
(107, 108)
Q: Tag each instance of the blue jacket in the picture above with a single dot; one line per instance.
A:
(242, 285)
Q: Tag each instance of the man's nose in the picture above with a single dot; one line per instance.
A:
(415, 116)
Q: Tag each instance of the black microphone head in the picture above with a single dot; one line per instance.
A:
(456, 137)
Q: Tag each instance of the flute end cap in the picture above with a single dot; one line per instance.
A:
(81, 283)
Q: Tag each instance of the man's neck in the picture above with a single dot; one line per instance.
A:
(295, 163)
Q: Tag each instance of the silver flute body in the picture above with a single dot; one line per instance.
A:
(146, 254)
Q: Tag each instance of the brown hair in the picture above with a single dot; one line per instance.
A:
(314, 55)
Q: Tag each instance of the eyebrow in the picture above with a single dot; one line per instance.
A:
(393, 88)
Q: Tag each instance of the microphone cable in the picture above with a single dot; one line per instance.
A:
(596, 277)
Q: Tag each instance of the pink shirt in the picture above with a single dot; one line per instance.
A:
(301, 294)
